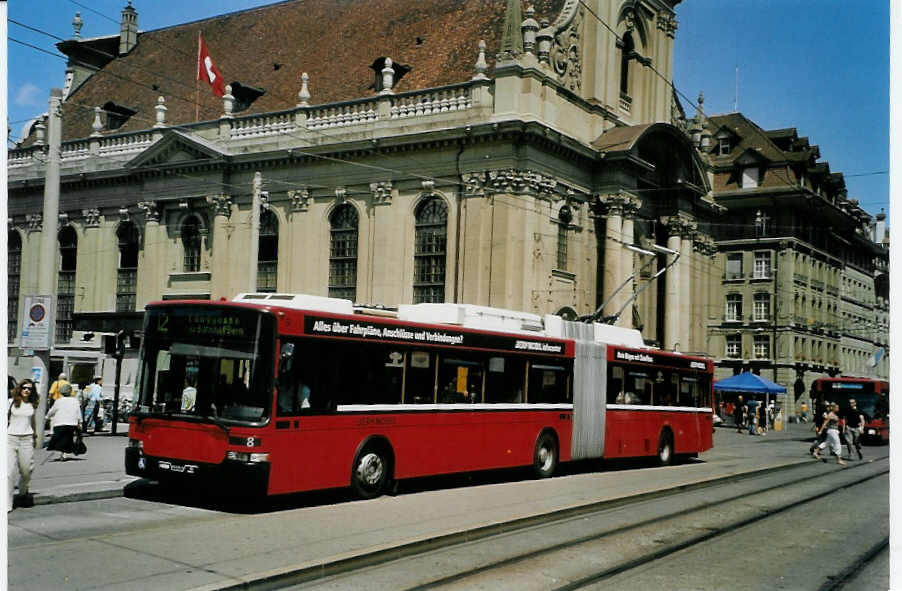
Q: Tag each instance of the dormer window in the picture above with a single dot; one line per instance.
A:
(750, 177)
(723, 146)
(377, 66)
(117, 115)
(245, 95)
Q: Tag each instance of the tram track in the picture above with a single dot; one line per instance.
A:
(616, 519)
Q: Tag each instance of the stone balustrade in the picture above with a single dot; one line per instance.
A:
(24, 156)
(125, 144)
(267, 124)
(423, 104)
(77, 150)
(342, 115)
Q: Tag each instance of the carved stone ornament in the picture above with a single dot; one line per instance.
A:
(300, 199)
(151, 210)
(222, 204)
(33, 222)
(474, 183)
(520, 181)
(619, 204)
(566, 52)
(428, 187)
(668, 23)
(92, 217)
(679, 225)
(341, 194)
(382, 192)
(704, 245)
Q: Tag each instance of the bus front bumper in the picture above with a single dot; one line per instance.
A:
(227, 478)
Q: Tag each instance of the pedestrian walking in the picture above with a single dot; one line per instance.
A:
(820, 434)
(54, 392)
(752, 416)
(854, 423)
(94, 406)
(762, 419)
(831, 425)
(803, 412)
(737, 414)
(65, 420)
(21, 439)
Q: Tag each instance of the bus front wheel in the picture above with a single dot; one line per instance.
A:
(545, 456)
(372, 472)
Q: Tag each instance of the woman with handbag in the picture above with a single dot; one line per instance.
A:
(21, 438)
(65, 419)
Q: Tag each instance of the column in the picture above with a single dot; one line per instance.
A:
(677, 295)
(152, 256)
(613, 206)
(220, 265)
(627, 263)
(687, 303)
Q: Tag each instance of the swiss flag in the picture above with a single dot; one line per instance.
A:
(207, 70)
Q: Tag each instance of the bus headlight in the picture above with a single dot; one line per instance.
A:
(242, 456)
(136, 443)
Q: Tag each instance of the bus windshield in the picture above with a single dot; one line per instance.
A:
(207, 361)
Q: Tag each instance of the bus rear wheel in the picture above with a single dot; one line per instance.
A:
(371, 472)
(545, 456)
(665, 449)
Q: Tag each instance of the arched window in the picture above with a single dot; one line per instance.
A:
(127, 274)
(191, 244)
(429, 251)
(268, 252)
(65, 286)
(343, 252)
(14, 269)
(565, 216)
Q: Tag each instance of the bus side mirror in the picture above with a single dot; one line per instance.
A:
(286, 359)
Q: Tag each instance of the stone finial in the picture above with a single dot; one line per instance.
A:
(304, 94)
(161, 112)
(77, 24)
(97, 126)
(40, 133)
(511, 36)
(481, 65)
(529, 28)
(388, 77)
(544, 39)
(228, 102)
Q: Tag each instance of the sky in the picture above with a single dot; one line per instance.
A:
(819, 66)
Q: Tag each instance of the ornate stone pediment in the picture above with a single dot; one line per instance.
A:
(178, 149)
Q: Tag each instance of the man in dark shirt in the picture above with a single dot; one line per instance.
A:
(737, 414)
(854, 423)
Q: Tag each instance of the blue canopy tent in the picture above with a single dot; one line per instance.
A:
(749, 383)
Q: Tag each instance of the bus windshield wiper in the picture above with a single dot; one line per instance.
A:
(218, 422)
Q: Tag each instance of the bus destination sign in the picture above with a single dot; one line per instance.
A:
(316, 325)
(201, 322)
(652, 358)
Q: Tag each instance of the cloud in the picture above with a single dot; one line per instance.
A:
(27, 95)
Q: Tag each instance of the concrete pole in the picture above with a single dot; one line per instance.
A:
(48, 264)
(256, 201)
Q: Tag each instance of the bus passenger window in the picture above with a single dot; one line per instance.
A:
(616, 393)
(420, 382)
(548, 384)
(460, 381)
(504, 380)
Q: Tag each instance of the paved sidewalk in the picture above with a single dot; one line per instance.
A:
(99, 474)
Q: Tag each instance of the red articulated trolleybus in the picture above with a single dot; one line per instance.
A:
(871, 397)
(278, 393)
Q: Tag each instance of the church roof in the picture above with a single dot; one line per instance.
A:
(268, 48)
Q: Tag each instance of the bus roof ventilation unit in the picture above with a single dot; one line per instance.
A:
(471, 316)
(298, 302)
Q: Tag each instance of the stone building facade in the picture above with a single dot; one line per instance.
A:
(453, 152)
(801, 270)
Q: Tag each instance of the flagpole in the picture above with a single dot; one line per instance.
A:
(197, 83)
